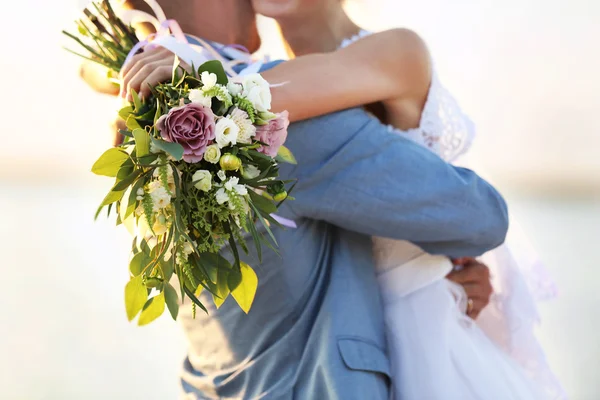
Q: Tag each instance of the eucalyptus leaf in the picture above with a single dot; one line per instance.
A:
(132, 123)
(171, 300)
(245, 292)
(128, 180)
(153, 309)
(135, 296)
(110, 162)
(142, 142)
(138, 263)
(173, 149)
(125, 112)
(112, 197)
(222, 287)
(215, 67)
(126, 169)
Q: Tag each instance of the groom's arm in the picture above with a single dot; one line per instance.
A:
(355, 174)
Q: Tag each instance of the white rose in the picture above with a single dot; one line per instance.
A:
(209, 80)
(212, 154)
(235, 89)
(257, 90)
(160, 197)
(222, 196)
(226, 132)
(202, 180)
(197, 96)
(250, 172)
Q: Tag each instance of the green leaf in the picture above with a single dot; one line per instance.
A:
(110, 162)
(194, 299)
(263, 204)
(112, 197)
(244, 293)
(138, 263)
(132, 123)
(126, 169)
(216, 68)
(285, 155)
(222, 287)
(171, 299)
(142, 142)
(125, 112)
(173, 149)
(128, 180)
(132, 201)
(135, 296)
(152, 309)
(256, 239)
(136, 101)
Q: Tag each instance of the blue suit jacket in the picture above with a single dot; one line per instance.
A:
(316, 330)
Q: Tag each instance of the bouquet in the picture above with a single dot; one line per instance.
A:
(197, 171)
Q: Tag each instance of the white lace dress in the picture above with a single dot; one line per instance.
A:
(436, 351)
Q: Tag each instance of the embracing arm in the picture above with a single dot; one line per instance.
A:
(353, 173)
(393, 64)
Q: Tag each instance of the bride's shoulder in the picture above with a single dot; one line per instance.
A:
(401, 54)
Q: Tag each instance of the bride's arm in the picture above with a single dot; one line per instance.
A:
(394, 64)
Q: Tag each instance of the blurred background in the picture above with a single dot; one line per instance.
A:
(525, 70)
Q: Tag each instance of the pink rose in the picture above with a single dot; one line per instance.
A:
(192, 126)
(273, 134)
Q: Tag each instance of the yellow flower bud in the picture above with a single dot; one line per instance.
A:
(229, 162)
(281, 196)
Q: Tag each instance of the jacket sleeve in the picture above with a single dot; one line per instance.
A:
(354, 173)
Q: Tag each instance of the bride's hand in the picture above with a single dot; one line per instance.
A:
(147, 69)
(474, 277)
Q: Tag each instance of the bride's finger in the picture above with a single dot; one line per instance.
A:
(134, 81)
(143, 58)
(160, 74)
(134, 68)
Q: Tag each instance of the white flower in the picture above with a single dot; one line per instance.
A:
(212, 154)
(222, 196)
(197, 96)
(233, 185)
(202, 180)
(247, 129)
(187, 248)
(140, 192)
(235, 89)
(221, 175)
(257, 90)
(250, 172)
(209, 80)
(160, 197)
(226, 132)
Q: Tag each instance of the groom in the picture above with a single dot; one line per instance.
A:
(316, 327)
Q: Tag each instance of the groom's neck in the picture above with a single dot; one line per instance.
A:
(223, 21)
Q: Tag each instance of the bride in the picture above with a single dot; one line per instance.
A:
(437, 351)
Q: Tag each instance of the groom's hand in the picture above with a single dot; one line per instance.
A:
(474, 277)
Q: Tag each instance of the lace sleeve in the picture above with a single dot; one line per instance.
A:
(444, 128)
